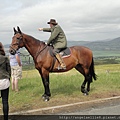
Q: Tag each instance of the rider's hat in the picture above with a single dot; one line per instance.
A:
(52, 21)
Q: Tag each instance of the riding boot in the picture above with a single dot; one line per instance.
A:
(62, 64)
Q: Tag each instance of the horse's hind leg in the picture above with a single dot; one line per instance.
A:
(83, 90)
(81, 70)
(87, 80)
(85, 73)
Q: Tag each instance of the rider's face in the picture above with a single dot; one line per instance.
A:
(51, 25)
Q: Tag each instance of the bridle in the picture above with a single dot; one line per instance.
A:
(17, 43)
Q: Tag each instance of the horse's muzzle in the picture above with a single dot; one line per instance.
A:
(13, 52)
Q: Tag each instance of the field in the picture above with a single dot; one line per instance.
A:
(107, 53)
(65, 88)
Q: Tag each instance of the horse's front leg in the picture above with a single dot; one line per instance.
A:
(47, 94)
(45, 80)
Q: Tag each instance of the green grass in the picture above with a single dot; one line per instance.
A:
(65, 88)
(105, 53)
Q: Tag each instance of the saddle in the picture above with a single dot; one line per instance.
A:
(64, 52)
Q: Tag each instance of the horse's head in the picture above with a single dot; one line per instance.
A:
(17, 41)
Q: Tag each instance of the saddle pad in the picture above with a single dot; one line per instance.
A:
(65, 53)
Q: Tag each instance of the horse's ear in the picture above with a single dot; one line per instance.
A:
(15, 31)
(19, 30)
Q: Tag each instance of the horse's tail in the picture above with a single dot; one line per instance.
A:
(92, 70)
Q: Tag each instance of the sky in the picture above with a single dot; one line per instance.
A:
(81, 20)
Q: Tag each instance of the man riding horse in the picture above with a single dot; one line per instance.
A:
(81, 58)
(57, 39)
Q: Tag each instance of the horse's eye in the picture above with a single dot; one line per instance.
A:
(19, 38)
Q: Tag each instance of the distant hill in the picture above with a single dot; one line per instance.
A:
(103, 45)
(79, 43)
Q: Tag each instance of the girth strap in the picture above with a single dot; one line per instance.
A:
(53, 63)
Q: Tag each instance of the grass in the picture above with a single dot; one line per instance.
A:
(65, 88)
(106, 53)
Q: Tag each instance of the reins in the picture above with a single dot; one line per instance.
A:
(40, 52)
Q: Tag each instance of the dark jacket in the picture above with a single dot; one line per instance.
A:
(5, 69)
(57, 38)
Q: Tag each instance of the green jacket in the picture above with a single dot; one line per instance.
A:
(5, 69)
(57, 38)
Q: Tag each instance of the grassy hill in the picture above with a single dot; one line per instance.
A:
(106, 45)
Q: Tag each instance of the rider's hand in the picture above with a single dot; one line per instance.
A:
(40, 29)
(47, 44)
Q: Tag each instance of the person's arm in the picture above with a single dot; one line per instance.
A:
(18, 60)
(53, 35)
(45, 29)
(8, 67)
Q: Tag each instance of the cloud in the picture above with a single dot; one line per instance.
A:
(80, 19)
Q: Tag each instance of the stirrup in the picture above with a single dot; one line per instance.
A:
(63, 67)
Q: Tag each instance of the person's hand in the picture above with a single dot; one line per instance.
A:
(40, 29)
(45, 43)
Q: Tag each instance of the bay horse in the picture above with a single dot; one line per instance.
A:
(81, 59)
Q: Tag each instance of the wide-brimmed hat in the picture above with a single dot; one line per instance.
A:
(52, 21)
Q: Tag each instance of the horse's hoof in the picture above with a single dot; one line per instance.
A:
(45, 98)
(86, 93)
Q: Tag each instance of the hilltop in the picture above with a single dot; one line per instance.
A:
(103, 45)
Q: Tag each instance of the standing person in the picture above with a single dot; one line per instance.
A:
(5, 74)
(57, 39)
(16, 70)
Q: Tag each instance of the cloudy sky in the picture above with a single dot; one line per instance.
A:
(81, 20)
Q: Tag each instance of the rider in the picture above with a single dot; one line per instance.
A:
(57, 39)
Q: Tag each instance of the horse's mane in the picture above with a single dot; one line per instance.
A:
(34, 39)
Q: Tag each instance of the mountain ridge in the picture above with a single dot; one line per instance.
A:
(102, 45)
(112, 44)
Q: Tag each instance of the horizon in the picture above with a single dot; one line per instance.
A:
(109, 39)
(104, 40)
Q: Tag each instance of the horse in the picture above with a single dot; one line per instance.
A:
(81, 59)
